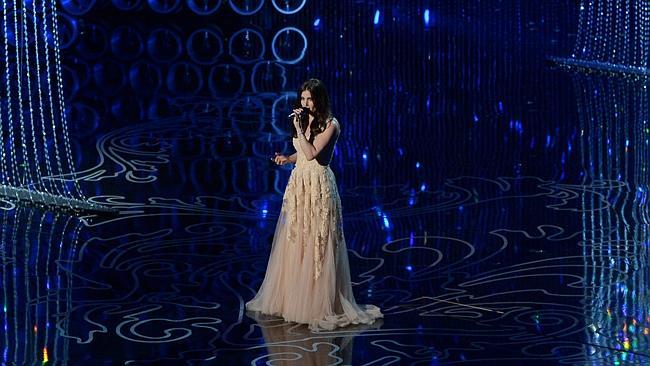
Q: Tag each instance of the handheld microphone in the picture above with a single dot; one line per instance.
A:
(304, 111)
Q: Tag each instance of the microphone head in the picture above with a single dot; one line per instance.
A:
(304, 111)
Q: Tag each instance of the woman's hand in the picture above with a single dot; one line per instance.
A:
(296, 120)
(280, 159)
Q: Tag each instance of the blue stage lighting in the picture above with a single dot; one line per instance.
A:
(386, 222)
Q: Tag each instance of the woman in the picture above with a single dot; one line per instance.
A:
(308, 277)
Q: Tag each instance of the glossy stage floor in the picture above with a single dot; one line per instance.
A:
(494, 208)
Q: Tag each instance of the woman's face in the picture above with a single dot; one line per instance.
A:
(307, 101)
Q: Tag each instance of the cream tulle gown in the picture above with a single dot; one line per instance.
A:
(308, 277)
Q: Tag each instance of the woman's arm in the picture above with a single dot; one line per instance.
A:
(320, 142)
(293, 157)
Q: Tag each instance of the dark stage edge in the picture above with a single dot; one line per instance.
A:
(50, 202)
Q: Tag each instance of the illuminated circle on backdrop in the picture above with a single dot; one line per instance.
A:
(11, 30)
(84, 120)
(246, 7)
(204, 46)
(288, 7)
(158, 108)
(226, 80)
(109, 76)
(70, 81)
(204, 7)
(164, 45)
(247, 46)
(126, 43)
(92, 42)
(184, 78)
(77, 7)
(281, 105)
(127, 108)
(126, 5)
(289, 45)
(268, 76)
(164, 6)
(145, 77)
(80, 68)
(247, 113)
(77, 151)
(68, 31)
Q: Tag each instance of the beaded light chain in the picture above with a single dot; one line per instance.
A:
(612, 38)
(36, 165)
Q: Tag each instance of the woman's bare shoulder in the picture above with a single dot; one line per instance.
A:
(333, 121)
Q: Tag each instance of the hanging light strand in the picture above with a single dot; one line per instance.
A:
(6, 175)
(66, 140)
(41, 112)
(21, 162)
(27, 164)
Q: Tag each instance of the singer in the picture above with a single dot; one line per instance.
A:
(308, 276)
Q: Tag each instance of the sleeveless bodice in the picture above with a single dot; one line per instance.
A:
(303, 163)
(301, 160)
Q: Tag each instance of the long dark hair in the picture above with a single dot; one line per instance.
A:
(323, 112)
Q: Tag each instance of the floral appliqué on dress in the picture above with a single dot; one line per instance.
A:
(313, 187)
